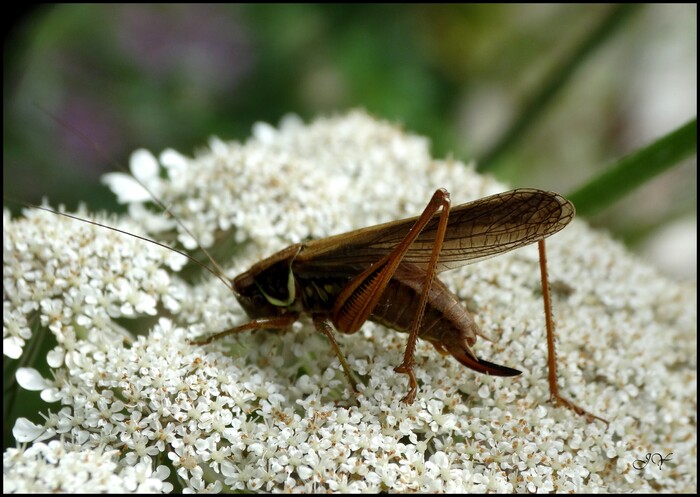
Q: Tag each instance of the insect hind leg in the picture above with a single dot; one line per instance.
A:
(439, 201)
(554, 395)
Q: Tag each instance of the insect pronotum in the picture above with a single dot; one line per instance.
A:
(387, 274)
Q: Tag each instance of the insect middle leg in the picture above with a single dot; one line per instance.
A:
(323, 325)
(282, 322)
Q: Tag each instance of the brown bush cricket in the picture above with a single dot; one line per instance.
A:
(387, 274)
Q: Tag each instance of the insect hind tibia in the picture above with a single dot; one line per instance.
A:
(440, 200)
(554, 394)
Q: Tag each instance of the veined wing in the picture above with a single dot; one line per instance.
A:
(475, 231)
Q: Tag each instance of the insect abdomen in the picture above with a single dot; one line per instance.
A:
(444, 317)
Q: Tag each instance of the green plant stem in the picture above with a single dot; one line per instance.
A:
(635, 169)
(554, 84)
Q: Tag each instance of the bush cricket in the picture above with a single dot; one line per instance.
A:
(387, 274)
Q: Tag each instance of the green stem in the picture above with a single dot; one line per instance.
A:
(635, 169)
(555, 83)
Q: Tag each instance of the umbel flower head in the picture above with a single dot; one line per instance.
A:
(271, 411)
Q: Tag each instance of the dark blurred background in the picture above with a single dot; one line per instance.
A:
(157, 76)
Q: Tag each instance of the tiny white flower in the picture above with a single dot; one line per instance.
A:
(144, 167)
(30, 379)
(26, 431)
(12, 347)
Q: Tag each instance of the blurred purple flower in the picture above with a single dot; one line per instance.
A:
(204, 45)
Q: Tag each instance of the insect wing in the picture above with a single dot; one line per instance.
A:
(475, 231)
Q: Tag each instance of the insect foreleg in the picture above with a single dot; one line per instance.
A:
(269, 323)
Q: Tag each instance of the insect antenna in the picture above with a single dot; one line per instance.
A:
(217, 271)
(146, 239)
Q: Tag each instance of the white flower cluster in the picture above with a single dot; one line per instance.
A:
(272, 411)
(73, 280)
(47, 468)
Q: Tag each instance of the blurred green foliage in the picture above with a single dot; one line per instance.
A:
(603, 80)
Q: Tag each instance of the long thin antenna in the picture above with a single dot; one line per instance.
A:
(96, 146)
(145, 239)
